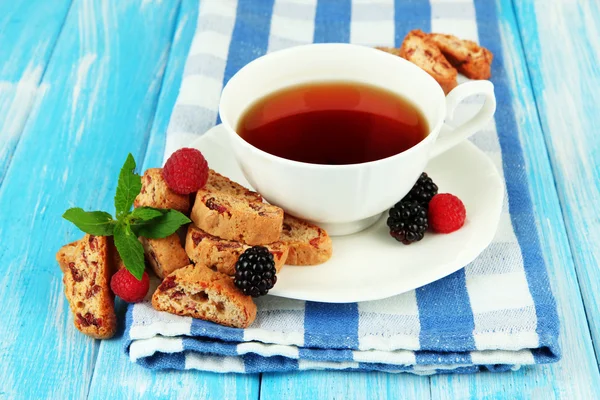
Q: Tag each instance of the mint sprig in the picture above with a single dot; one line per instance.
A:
(128, 188)
(149, 222)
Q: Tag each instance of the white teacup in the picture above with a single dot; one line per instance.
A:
(345, 199)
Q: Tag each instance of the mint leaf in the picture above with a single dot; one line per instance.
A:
(130, 249)
(98, 223)
(146, 213)
(160, 227)
(128, 188)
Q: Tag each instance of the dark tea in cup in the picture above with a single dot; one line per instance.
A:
(333, 123)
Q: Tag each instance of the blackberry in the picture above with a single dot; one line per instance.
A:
(255, 271)
(422, 191)
(408, 221)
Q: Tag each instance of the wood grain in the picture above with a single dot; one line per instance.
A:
(69, 154)
(562, 39)
(312, 385)
(24, 55)
(576, 375)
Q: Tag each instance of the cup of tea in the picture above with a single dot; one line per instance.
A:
(337, 133)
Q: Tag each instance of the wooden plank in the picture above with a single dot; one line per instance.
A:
(135, 381)
(24, 53)
(562, 39)
(312, 385)
(101, 87)
(576, 375)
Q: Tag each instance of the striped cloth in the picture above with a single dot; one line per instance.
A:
(497, 313)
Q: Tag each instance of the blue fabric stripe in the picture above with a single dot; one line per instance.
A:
(250, 36)
(513, 162)
(210, 347)
(444, 307)
(255, 364)
(161, 361)
(331, 325)
(332, 21)
(325, 354)
(409, 15)
(209, 329)
(437, 358)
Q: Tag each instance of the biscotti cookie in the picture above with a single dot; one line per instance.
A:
(155, 193)
(307, 243)
(165, 255)
(468, 57)
(229, 211)
(217, 183)
(66, 254)
(87, 288)
(200, 292)
(220, 254)
(419, 49)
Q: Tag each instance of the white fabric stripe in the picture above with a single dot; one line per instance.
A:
(225, 8)
(268, 350)
(206, 362)
(317, 365)
(289, 30)
(197, 89)
(498, 292)
(267, 336)
(210, 42)
(523, 357)
(409, 342)
(390, 357)
(200, 91)
(509, 341)
(397, 321)
(148, 322)
(378, 32)
(147, 347)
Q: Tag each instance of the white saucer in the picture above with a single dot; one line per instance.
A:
(371, 265)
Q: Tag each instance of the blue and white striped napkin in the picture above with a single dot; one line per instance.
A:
(496, 314)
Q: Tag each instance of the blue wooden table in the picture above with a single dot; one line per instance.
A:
(84, 82)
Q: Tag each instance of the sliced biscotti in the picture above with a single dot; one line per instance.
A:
(468, 57)
(200, 292)
(87, 287)
(220, 254)
(217, 183)
(229, 211)
(307, 243)
(155, 193)
(165, 255)
(66, 255)
(419, 49)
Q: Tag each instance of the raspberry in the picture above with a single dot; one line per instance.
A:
(127, 287)
(446, 213)
(186, 171)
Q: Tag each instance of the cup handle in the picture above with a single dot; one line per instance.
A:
(453, 136)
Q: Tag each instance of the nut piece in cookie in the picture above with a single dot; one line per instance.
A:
(165, 255)
(199, 292)
(220, 254)
(307, 243)
(155, 193)
(468, 57)
(419, 49)
(87, 286)
(230, 211)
